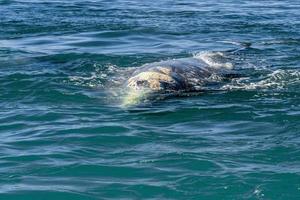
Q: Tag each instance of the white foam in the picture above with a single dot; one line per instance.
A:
(97, 78)
(278, 79)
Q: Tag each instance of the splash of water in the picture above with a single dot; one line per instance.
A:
(216, 60)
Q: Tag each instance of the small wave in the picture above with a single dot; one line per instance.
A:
(284, 41)
(214, 59)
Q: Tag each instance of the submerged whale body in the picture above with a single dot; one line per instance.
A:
(170, 77)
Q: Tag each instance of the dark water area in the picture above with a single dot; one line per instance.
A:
(64, 134)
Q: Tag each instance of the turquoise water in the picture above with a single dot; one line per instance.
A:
(64, 134)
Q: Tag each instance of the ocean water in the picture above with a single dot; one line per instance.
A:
(64, 135)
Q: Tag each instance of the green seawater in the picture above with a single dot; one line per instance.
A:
(64, 135)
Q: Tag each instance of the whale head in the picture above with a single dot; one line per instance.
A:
(144, 85)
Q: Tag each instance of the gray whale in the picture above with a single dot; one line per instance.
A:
(170, 77)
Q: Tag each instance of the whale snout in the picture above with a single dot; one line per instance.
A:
(142, 86)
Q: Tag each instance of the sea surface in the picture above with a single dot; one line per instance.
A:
(64, 134)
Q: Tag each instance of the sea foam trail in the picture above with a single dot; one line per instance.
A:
(278, 79)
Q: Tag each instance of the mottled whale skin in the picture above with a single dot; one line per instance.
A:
(170, 76)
